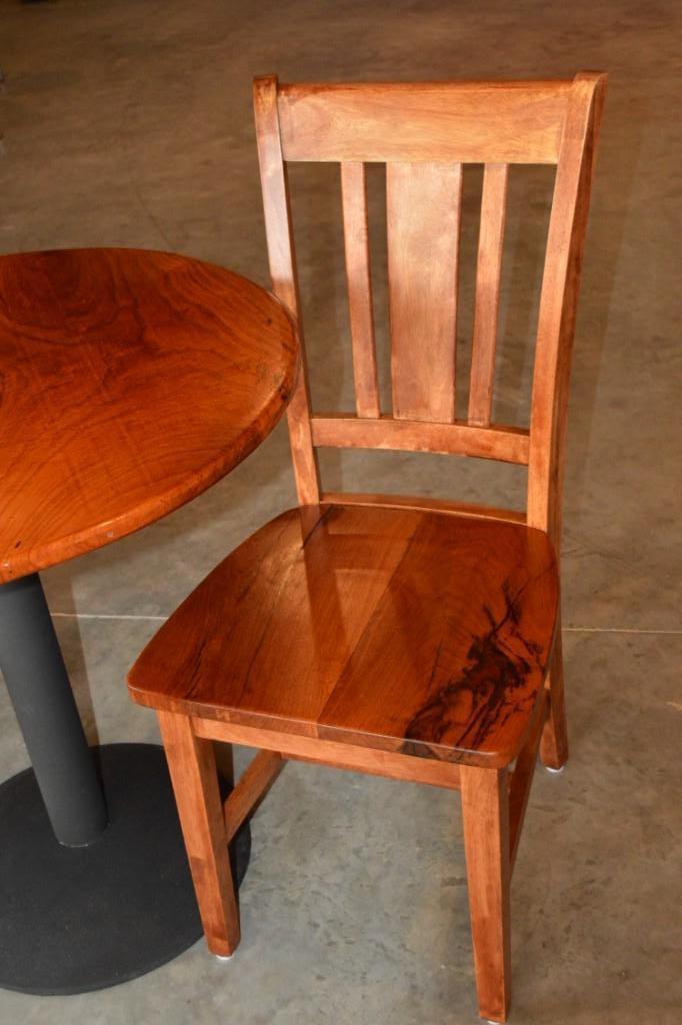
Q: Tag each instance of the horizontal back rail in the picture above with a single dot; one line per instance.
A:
(508, 444)
(420, 503)
(460, 122)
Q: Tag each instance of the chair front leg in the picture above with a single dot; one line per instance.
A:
(485, 818)
(191, 761)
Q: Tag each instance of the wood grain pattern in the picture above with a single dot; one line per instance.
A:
(251, 788)
(457, 122)
(558, 301)
(416, 126)
(423, 212)
(352, 757)
(354, 193)
(506, 444)
(522, 777)
(554, 742)
(440, 505)
(401, 636)
(554, 348)
(485, 820)
(195, 783)
(131, 381)
(282, 260)
(488, 280)
(405, 631)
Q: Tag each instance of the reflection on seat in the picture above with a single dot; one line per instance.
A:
(405, 637)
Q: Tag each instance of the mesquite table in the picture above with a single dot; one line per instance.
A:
(130, 381)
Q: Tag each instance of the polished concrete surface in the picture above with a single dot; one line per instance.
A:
(130, 124)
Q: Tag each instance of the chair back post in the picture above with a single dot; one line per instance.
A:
(558, 302)
(282, 260)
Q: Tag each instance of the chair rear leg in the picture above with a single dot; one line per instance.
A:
(191, 761)
(554, 742)
(485, 818)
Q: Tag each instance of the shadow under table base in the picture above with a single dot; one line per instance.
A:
(77, 919)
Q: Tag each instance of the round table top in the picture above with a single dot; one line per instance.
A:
(130, 381)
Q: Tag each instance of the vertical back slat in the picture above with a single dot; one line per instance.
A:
(282, 262)
(488, 276)
(354, 196)
(423, 214)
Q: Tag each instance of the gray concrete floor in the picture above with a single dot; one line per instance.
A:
(130, 124)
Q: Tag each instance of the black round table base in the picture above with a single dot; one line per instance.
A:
(73, 920)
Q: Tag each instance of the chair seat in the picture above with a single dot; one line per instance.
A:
(417, 632)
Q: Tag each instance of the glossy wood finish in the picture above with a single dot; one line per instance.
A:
(251, 788)
(423, 212)
(488, 281)
(464, 122)
(131, 381)
(556, 328)
(554, 743)
(352, 757)
(394, 629)
(558, 301)
(485, 819)
(522, 776)
(282, 260)
(354, 193)
(195, 784)
(394, 635)
(413, 128)
(506, 444)
(439, 505)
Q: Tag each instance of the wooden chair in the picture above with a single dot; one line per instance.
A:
(408, 638)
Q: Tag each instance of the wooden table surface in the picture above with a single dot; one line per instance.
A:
(130, 381)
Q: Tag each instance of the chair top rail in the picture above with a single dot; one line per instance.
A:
(466, 122)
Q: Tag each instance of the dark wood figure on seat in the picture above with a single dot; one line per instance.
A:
(406, 637)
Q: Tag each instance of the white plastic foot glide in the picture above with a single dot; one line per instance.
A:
(223, 957)
(555, 772)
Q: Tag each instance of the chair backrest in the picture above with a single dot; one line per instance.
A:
(424, 133)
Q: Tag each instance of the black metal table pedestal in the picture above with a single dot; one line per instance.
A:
(97, 891)
(39, 688)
